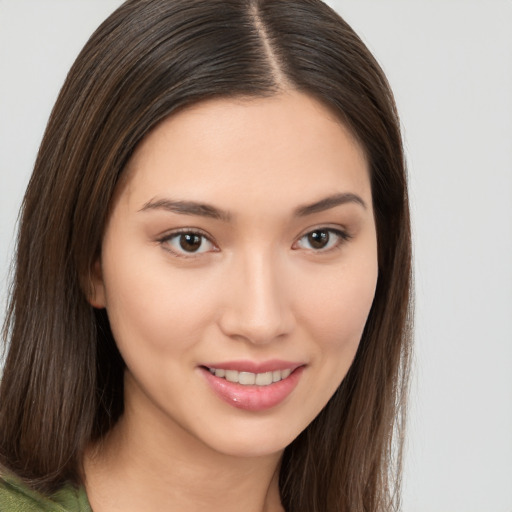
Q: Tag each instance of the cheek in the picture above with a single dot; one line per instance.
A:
(337, 312)
(334, 318)
(153, 309)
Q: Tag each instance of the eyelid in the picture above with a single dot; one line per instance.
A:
(163, 239)
(342, 234)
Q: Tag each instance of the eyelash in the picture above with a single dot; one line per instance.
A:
(165, 241)
(342, 237)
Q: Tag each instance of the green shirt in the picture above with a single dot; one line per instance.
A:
(15, 496)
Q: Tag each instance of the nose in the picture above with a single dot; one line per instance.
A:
(258, 306)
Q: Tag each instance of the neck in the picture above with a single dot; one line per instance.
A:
(154, 465)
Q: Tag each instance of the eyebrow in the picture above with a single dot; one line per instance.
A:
(329, 202)
(187, 208)
(207, 210)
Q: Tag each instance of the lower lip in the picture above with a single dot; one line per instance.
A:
(253, 398)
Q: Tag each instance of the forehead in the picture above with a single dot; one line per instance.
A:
(261, 150)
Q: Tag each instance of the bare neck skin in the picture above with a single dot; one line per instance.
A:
(141, 466)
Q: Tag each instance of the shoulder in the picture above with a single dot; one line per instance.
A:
(15, 496)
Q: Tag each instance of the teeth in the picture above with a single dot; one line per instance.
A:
(285, 373)
(251, 379)
(263, 379)
(246, 378)
(232, 375)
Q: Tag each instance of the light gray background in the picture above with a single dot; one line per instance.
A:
(450, 64)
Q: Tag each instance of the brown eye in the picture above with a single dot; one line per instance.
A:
(322, 239)
(190, 242)
(318, 239)
(187, 243)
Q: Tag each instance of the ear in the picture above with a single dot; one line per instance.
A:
(96, 293)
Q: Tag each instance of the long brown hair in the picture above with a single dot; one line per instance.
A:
(62, 385)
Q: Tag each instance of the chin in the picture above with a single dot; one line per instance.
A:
(257, 437)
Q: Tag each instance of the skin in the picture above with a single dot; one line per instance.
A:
(257, 289)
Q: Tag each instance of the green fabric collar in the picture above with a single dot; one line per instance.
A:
(16, 496)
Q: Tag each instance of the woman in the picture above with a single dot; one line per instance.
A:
(210, 307)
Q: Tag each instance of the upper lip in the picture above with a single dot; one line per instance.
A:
(254, 366)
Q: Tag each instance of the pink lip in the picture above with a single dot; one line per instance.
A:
(254, 367)
(253, 398)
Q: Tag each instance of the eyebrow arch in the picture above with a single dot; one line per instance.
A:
(328, 203)
(207, 210)
(187, 208)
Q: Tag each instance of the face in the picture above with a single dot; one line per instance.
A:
(238, 268)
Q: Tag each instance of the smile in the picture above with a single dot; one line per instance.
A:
(267, 386)
(251, 379)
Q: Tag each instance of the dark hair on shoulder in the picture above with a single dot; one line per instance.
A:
(62, 385)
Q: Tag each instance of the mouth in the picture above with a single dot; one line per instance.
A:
(267, 386)
(249, 378)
